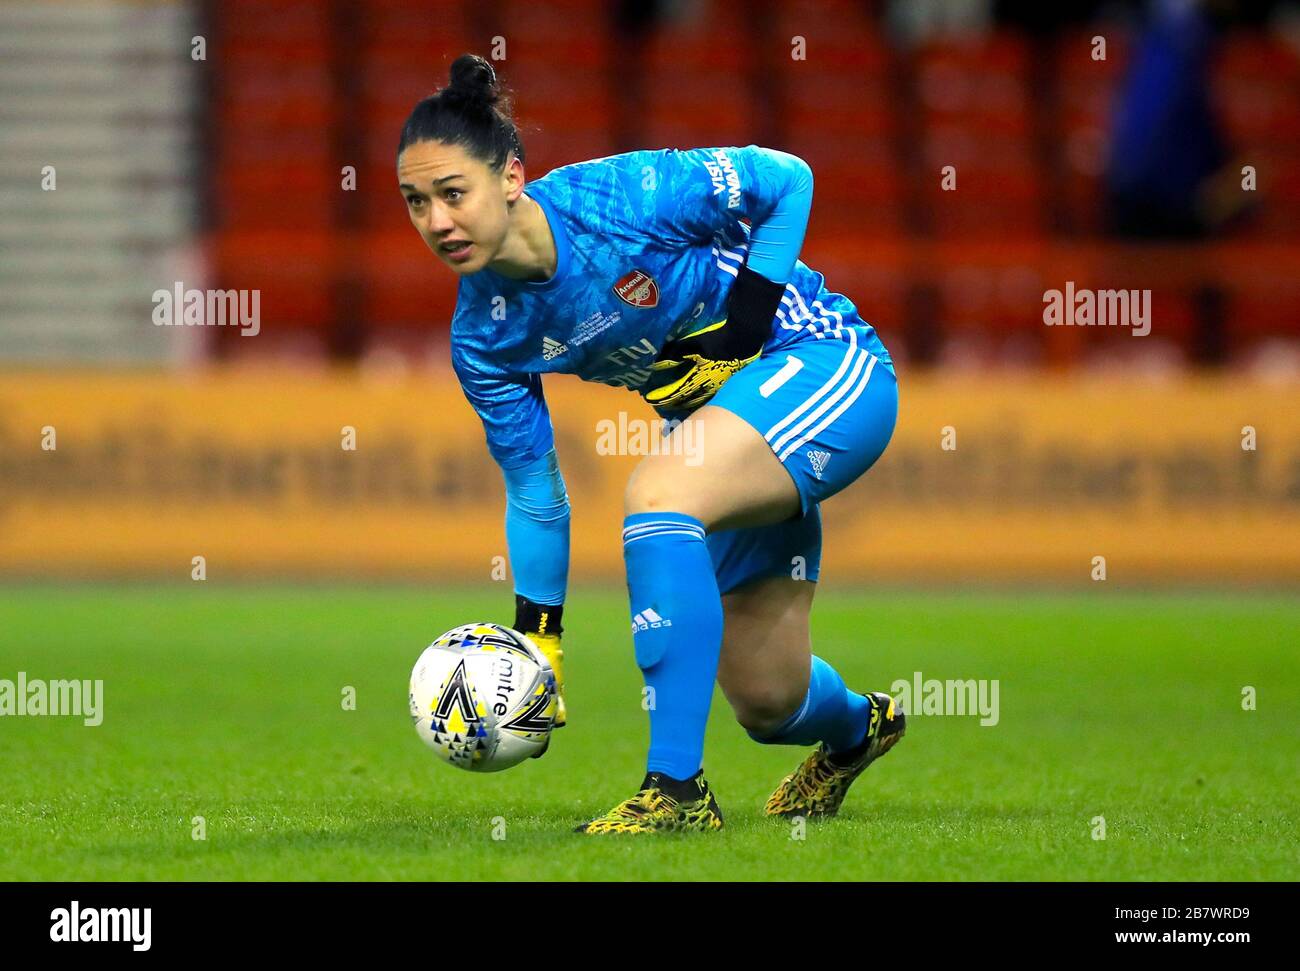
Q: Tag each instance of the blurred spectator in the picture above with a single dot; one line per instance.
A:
(1166, 143)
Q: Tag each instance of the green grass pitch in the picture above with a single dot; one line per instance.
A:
(226, 704)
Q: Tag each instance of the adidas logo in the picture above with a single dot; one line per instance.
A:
(647, 619)
(552, 348)
(818, 459)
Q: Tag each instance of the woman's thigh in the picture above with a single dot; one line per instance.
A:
(729, 478)
(825, 409)
(786, 433)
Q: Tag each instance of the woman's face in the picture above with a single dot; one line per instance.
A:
(459, 205)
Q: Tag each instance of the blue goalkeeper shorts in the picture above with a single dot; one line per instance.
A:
(828, 409)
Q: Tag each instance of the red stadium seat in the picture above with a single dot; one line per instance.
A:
(295, 272)
(982, 85)
(998, 190)
(1257, 80)
(837, 35)
(291, 27)
(275, 196)
(857, 186)
(327, 263)
(404, 287)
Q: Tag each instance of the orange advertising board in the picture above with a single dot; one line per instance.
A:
(986, 479)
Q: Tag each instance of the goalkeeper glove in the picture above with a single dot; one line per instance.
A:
(699, 363)
(541, 624)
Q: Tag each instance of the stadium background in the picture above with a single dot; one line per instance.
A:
(229, 172)
(248, 144)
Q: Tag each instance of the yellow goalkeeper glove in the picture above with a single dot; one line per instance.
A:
(693, 377)
(690, 369)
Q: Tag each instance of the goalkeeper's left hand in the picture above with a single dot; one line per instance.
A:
(699, 363)
(695, 374)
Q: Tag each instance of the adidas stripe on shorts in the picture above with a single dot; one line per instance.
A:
(827, 409)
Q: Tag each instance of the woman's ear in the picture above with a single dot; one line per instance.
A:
(513, 178)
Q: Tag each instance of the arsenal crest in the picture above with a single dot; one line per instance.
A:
(638, 289)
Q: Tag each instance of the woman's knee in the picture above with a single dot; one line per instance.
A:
(646, 491)
(655, 487)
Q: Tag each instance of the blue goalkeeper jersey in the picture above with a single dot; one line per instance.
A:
(648, 244)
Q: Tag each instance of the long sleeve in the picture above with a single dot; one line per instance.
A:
(516, 422)
(537, 530)
(703, 190)
(517, 426)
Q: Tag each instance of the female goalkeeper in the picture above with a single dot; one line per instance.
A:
(638, 270)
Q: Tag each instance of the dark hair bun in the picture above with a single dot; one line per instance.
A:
(473, 111)
(473, 80)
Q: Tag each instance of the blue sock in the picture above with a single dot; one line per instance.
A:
(677, 632)
(830, 713)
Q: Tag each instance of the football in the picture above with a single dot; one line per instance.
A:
(483, 697)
